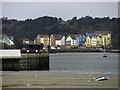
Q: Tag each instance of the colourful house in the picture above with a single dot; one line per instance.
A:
(93, 41)
(37, 40)
(80, 40)
(104, 38)
(42, 39)
(46, 40)
(52, 40)
(88, 41)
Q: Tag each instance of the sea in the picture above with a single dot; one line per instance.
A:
(84, 63)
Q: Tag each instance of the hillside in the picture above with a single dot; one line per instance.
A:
(30, 28)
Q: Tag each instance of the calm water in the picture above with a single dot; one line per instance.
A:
(84, 62)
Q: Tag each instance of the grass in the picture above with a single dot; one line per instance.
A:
(53, 84)
(14, 85)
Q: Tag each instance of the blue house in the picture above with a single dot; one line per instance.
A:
(80, 40)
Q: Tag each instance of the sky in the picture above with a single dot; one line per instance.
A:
(64, 10)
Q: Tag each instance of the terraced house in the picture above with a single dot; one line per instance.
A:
(94, 40)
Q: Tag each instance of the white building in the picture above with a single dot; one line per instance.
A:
(93, 41)
(4, 39)
(71, 40)
(60, 40)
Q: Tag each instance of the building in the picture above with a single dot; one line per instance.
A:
(46, 40)
(104, 38)
(80, 40)
(4, 39)
(37, 40)
(26, 41)
(88, 41)
(52, 40)
(60, 40)
(71, 40)
(42, 39)
(93, 41)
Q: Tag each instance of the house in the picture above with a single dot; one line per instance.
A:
(42, 39)
(46, 40)
(60, 40)
(104, 37)
(71, 40)
(80, 40)
(37, 40)
(93, 41)
(4, 39)
(52, 40)
(88, 41)
(26, 41)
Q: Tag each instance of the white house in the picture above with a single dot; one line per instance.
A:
(93, 41)
(63, 41)
(26, 41)
(71, 40)
(4, 39)
(60, 40)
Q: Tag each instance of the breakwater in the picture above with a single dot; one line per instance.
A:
(26, 62)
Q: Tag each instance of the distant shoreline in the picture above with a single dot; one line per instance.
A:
(83, 51)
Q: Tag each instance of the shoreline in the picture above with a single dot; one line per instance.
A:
(45, 79)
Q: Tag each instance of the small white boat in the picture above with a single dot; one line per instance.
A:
(102, 78)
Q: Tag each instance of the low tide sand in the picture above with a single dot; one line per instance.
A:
(47, 79)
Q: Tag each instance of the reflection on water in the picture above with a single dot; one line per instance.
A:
(84, 62)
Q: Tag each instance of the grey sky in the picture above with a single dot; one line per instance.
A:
(65, 10)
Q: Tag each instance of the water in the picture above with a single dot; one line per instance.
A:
(84, 62)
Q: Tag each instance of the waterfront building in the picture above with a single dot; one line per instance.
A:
(104, 38)
(46, 40)
(88, 41)
(60, 40)
(37, 40)
(52, 40)
(93, 41)
(80, 40)
(4, 39)
(71, 40)
(26, 41)
(42, 39)
(99, 41)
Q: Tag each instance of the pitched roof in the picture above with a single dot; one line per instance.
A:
(73, 36)
(58, 37)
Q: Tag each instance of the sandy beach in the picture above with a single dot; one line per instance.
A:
(48, 79)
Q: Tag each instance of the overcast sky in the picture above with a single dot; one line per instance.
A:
(64, 10)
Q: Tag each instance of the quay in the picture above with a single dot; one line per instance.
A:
(13, 60)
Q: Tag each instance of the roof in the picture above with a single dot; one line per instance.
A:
(73, 36)
(58, 37)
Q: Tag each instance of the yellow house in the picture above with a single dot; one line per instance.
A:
(88, 41)
(103, 38)
(46, 40)
(99, 41)
(107, 40)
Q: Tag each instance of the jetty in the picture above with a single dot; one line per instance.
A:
(13, 60)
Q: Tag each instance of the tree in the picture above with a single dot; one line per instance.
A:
(18, 43)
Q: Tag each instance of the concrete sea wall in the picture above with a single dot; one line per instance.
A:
(26, 62)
